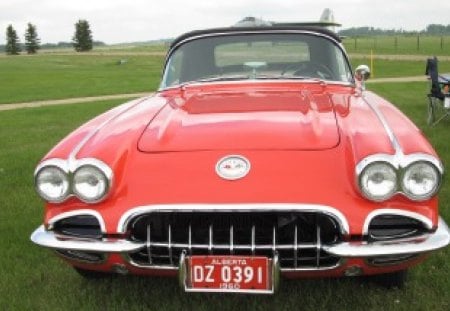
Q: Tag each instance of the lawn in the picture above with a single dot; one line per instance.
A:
(32, 278)
(43, 76)
(66, 75)
(395, 68)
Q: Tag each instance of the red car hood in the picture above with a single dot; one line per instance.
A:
(243, 120)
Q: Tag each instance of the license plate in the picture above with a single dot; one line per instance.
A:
(228, 274)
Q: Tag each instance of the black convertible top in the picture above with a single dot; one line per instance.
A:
(230, 30)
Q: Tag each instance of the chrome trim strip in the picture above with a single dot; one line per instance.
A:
(250, 247)
(251, 207)
(127, 258)
(296, 246)
(399, 160)
(248, 32)
(395, 144)
(72, 156)
(49, 239)
(392, 211)
(312, 269)
(263, 81)
(422, 244)
(79, 212)
(59, 163)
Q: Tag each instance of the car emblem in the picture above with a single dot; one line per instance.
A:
(232, 167)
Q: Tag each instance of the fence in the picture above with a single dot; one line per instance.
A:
(406, 44)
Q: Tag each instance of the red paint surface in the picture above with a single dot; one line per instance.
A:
(303, 141)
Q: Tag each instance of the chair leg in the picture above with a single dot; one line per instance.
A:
(431, 111)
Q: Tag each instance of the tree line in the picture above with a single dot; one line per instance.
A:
(81, 41)
(431, 29)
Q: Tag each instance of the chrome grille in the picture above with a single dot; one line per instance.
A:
(297, 237)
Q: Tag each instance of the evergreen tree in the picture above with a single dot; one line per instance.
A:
(31, 39)
(12, 41)
(82, 39)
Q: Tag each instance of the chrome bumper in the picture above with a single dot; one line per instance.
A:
(423, 244)
(49, 239)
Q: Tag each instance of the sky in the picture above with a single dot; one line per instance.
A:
(118, 21)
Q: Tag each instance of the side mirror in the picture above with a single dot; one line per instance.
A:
(362, 74)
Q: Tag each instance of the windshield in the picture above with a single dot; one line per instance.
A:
(256, 56)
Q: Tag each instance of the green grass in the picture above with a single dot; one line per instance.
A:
(394, 68)
(125, 48)
(32, 278)
(56, 76)
(405, 44)
(29, 78)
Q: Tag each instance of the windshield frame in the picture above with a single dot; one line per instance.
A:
(238, 32)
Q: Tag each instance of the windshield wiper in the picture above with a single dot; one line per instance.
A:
(222, 78)
(281, 77)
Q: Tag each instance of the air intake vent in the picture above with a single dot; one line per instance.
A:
(388, 227)
(81, 226)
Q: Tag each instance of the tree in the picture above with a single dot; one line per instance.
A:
(31, 39)
(82, 39)
(12, 41)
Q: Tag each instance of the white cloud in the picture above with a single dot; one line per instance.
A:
(138, 20)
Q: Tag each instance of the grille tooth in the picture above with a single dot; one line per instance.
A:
(297, 237)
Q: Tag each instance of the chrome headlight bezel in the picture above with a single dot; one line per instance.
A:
(70, 168)
(401, 163)
(62, 173)
(96, 166)
(365, 190)
(420, 197)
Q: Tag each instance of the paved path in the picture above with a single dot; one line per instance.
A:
(398, 57)
(422, 78)
(80, 100)
(70, 101)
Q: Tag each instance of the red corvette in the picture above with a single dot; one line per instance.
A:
(261, 155)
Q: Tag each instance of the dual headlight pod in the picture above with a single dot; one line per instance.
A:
(89, 180)
(418, 178)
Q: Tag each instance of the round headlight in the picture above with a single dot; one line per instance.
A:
(420, 180)
(378, 181)
(52, 184)
(90, 184)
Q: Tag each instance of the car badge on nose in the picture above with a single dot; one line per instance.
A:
(232, 167)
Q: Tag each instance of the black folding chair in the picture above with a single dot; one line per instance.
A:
(439, 96)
